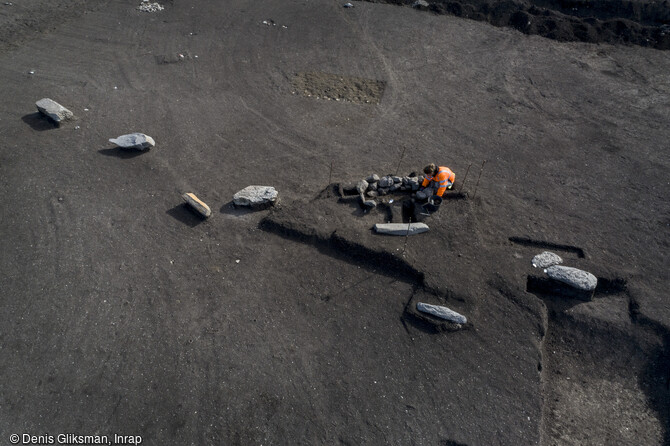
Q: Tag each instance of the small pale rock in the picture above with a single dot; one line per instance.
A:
(362, 186)
(53, 110)
(397, 179)
(395, 187)
(197, 204)
(138, 141)
(372, 186)
(401, 228)
(371, 193)
(574, 277)
(150, 7)
(546, 259)
(441, 312)
(385, 182)
(348, 5)
(420, 4)
(372, 178)
(256, 196)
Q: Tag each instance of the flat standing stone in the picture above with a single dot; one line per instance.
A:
(137, 141)
(441, 312)
(256, 196)
(401, 228)
(574, 277)
(53, 110)
(197, 204)
(546, 259)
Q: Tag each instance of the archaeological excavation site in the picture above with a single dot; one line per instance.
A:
(315, 222)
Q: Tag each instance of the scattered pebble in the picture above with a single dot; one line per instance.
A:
(237, 261)
(348, 5)
(32, 72)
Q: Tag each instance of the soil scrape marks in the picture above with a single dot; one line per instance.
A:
(334, 87)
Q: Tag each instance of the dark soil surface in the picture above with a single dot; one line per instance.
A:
(635, 22)
(124, 313)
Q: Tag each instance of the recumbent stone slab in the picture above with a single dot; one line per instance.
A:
(442, 312)
(137, 141)
(546, 259)
(574, 277)
(53, 110)
(256, 196)
(401, 228)
(197, 204)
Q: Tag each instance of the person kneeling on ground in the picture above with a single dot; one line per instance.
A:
(437, 180)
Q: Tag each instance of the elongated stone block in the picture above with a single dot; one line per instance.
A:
(441, 312)
(197, 204)
(574, 277)
(53, 110)
(401, 228)
(137, 141)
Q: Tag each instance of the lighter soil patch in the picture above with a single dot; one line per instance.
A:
(334, 87)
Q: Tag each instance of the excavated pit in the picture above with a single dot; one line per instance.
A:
(631, 22)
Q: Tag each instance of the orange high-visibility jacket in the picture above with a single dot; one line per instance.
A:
(444, 175)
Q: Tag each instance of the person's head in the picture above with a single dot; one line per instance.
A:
(430, 169)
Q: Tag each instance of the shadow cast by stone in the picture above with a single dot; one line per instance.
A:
(121, 153)
(237, 211)
(39, 122)
(184, 214)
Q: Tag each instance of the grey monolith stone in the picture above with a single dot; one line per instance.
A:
(53, 110)
(197, 204)
(138, 141)
(442, 312)
(256, 196)
(401, 228)
(574, 277)
(372, 178)
(546, 259)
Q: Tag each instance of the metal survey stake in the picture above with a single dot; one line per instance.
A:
(464, 178)
(400, 161)
(478, 178)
